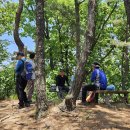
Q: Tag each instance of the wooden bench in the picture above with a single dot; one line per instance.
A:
(108, 95)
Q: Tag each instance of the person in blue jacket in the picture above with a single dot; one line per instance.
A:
(21, 81)
(99, 81)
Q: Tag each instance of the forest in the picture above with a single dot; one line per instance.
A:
(68, 35)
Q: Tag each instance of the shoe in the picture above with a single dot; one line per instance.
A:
(84, 103)
(27, 104)
(21, 106)
(30, 101)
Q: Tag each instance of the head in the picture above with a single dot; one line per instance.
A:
(32, 56)
(96, 65)
(20, 55)
(62, 73)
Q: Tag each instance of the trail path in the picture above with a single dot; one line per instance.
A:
(94, 117)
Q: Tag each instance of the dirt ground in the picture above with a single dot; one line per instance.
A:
(92, 117)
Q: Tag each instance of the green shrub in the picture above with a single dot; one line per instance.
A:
(7, 84)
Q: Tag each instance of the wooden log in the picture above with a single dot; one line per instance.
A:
(113, 92)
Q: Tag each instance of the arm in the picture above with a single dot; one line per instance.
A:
(18, 66)
(67, 81)
(56, 80)
(33, 66)
(93, 76)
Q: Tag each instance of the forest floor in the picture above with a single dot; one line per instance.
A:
(92, 117)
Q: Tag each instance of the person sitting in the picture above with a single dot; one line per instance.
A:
(61, 79)
(99, 81)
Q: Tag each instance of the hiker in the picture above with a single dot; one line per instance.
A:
(60, 83)
(21, 81)
(99, 81)
(31, 78)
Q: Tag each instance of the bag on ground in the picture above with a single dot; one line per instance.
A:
(53, 88)
(110, 87)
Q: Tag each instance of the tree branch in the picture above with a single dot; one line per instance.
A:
(109, 52)
(17, 39)
(80, 2)
(102, 27)
(106, 21)
(127, 8)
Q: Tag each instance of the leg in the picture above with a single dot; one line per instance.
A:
(126, 98)
(85, 89)
(30, 89)
(19, 91)
(23, 86)
(96, 97)
(66, 89)
(60, 95)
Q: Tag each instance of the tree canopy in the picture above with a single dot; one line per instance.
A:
(60, 36)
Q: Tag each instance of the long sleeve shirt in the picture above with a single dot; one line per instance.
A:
(102, 78)
(60, 81)
(20, 66)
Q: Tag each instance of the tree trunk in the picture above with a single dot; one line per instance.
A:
(125, 52)
(77, 26)
(127, 8)
(61, 47)
(50, 48)
(125, 68)
(60, 41)
(66, 60)
(17, 39)
(41, 104)
(80, 72)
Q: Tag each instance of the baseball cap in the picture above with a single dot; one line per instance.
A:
(20, 54)
(96, 64)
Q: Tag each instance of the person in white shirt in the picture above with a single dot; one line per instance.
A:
(30, 84)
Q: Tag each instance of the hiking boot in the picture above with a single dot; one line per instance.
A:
(30, 101)
(27, 104)
(21, 106)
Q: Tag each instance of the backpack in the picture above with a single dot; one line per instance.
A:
(27, 71)
(53, 88)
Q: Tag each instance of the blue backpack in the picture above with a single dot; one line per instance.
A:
(29, 70)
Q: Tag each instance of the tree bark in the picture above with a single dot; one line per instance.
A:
(47, 35)
(60, 25)
(61, 46)
(127, 8)
(125, 52)
(125, 68)
(77, 27)
(41, 104)
(80, 72)
(17, 39)
(66, 60)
